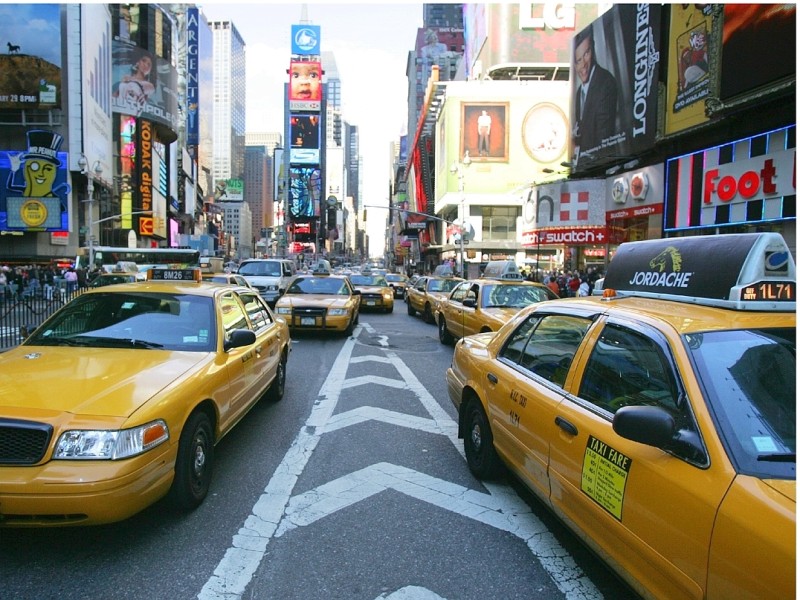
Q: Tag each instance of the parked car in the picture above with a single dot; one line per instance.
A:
(119, 398)
(320, 303)
(659, 421)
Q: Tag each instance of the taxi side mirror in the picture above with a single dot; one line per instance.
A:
(651, 425)
(655, 426)
(239, 338)
(469, 302)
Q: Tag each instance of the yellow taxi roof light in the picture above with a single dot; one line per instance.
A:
(193, 275)
(741, 271)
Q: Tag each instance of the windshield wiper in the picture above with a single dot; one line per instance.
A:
(778, 457)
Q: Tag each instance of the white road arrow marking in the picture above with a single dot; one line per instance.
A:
(276, 512)
(411, 592)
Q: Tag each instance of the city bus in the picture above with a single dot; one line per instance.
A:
(107, 257)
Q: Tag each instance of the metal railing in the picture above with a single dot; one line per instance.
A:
(27, 310)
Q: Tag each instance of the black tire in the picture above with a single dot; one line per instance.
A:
(411, 310)
(444, 335)
(350, 327)
(482, 458)
(428, 314)
(390, 309)
(194, 465)
(278, 386)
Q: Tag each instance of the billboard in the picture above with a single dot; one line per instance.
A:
(305, 85)
(144, 85)
(484, 131)
(34, 195)
(305, 189)
(30, 64)
(192, 76)
(305, 40)
(96, 89)
(752, 180)
(758, 46)
(305, 139)
(688, 74)
(614, 75)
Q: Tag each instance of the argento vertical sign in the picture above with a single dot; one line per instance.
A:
(192, 67)
(145, 166)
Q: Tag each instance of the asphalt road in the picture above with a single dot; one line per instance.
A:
(353, 486)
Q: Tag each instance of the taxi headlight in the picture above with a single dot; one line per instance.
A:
(337, 312)
(284, 310)
(100, 444)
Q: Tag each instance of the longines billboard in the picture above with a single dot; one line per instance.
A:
(614, 75)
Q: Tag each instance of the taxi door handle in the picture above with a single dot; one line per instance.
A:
(566, 426)
(491, 377)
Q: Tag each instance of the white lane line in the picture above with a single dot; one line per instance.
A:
(235, 571)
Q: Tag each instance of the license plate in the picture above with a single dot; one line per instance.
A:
(370, 303)
(308, 321)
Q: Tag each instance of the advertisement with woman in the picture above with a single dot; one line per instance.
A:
(144, 85)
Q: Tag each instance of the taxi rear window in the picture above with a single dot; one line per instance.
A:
(749, 379)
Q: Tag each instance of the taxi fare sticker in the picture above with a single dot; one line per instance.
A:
(604, 475)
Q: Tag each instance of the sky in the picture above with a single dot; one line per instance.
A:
(370, 42)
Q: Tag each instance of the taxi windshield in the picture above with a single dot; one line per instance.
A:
(749, 380)
(442, 285)
(318, 285)
(131, 321)
(513, 296)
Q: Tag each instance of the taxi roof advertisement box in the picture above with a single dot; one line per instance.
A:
(709, 267)
(617, 115)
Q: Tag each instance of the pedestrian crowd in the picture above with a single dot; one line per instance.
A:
(18, 282)
(570, 284)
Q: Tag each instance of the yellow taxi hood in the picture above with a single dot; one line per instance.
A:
(89, 381)
(372, 289)
(784, 487)
(314, 300)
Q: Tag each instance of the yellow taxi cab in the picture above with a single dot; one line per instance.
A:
(228, 278)
(659, 421)
(321, 303)
(398, 282)
(375, 292)
(486, 304)
(426, 294)
(119, 398)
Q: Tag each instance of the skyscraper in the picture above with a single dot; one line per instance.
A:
(229, 101)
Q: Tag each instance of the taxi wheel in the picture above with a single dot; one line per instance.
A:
(194, 464)
(390, 309)
(428, 315)
(482, 458)
(351, 326)
(444, 336)
(411, 311)
(278, 385)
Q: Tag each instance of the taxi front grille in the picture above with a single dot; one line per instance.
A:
(309, 311)
(23, 442)
(376, 298)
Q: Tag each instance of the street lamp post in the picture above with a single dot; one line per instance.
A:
(97, 171)
(455, 169)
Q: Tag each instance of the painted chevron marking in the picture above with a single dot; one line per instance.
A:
(277, 512)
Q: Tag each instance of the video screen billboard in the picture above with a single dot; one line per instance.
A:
(305, 85)
(759, 46)
(30, 63)
(304, 131)
(305, 189)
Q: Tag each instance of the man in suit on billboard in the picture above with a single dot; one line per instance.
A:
(595, 98)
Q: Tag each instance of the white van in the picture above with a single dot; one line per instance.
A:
(270, 276)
